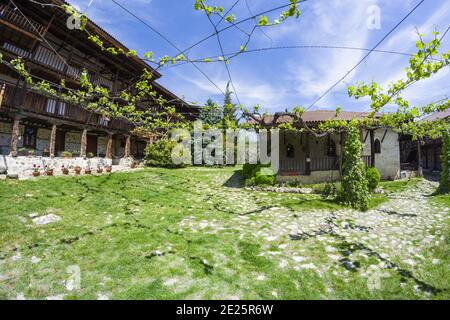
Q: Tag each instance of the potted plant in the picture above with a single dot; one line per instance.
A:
(88, 170)
(22, 152)
(90, 155)
(99, 169)
(108, 169)
(66, 154)
(64, 170)
(77, 169)
(31, 153)
(49, 171)
(36, 172)
(76, 153)
(134, 165)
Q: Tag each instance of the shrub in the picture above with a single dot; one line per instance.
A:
(354, 190)
(66, 154)
(444, 183)
(159, 154)
(249, 170)
(329, 190)
(253, 176)
(261, 179)
(373, 178)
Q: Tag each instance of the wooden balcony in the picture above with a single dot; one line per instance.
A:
(14, 19)
(38, 105)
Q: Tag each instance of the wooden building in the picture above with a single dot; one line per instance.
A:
(52, 51)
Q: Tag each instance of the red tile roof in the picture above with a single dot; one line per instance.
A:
(438, 115)
(316, 116)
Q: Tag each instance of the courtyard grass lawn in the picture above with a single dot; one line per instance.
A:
(195, 234)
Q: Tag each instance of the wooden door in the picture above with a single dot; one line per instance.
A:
(60, 143)
(91, 145)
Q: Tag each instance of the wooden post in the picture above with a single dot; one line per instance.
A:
(109, 146)
(53, 141)
(15, 136)
(419, 159)
(308, 156)
(2, 93)
(341, 153)
(372, 148)
(83, 146)
(128, 147)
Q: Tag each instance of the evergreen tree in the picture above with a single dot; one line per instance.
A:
(229, 109)
(211, 114)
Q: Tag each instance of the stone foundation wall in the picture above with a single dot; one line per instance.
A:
(315, 177)
(23, 166)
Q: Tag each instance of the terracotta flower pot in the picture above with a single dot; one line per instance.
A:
(87, 171)
(108, 169)
(99, 170)
(77, 170)
(65, 171)
(36, 173)
(49, 173)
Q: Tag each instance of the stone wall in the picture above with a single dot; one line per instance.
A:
(388, 161)
(315, 177)
(23, 166)
(73, 141)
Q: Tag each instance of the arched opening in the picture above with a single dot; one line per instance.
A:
(377, 146)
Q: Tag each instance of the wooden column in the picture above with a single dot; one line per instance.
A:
(308, 156)
(109, 146)
(83, 144)
(372, 148)
(419, 159)
(128, 147)
(53, 141)
(2, 93)
(15, 136)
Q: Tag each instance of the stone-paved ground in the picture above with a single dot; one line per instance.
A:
(387, 240)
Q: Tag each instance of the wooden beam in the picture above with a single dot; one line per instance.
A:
(15, 135)
(372, 148)
(13, 26)
(2, 93)
(128, 147)
(53, 141)
(83, 144)
(109, 146)
(384, 136)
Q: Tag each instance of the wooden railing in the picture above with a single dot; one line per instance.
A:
(13, 16)
(324, 164)
(37, 104)
(292, 166)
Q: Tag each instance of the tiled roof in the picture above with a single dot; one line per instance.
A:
(316, 116)
(438, 115)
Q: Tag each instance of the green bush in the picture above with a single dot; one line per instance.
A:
(252, 175)
(373, 178)
(159, 154)
(264, 180)
(249, 170)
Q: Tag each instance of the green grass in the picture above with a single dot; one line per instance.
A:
(214, 239)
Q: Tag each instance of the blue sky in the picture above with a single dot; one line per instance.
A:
(281, 79)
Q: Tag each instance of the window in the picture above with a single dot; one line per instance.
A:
(62, 109)
(377, 146)
(51, 106)
(29, 137)
(331, 148)
(290, 152)
(103, 121)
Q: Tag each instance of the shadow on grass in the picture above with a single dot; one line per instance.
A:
(235, 181)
